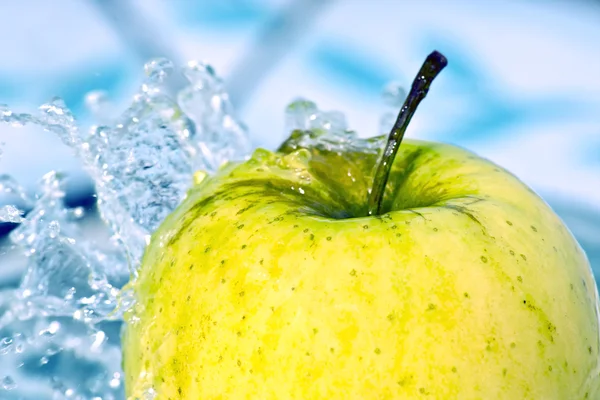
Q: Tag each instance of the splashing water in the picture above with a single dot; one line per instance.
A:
(60, 326)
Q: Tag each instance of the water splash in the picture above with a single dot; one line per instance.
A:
(63, 319)
(218, 135)
(313, 127)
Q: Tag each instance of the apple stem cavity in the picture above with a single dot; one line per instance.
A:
(433, 65)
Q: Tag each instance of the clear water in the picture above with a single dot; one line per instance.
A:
(60, 326)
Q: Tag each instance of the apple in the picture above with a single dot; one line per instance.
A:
(333, 270)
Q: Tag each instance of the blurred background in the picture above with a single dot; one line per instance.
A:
(522, 87)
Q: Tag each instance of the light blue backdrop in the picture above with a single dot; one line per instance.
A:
(522, 87)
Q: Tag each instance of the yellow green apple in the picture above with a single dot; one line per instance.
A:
(324, 271)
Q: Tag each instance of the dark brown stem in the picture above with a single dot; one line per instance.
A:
(433, 65)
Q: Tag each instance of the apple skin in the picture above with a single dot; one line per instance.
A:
(268, 282)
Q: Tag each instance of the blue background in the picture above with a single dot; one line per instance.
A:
(522, 87)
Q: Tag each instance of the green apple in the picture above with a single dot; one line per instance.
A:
(326, 271)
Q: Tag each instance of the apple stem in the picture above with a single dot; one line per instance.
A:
(433, 65)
